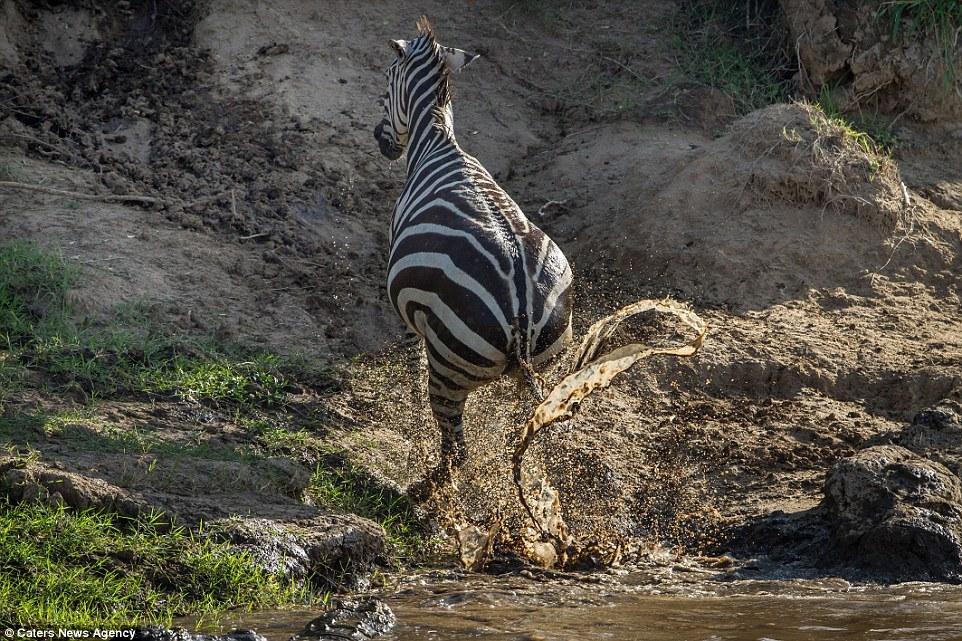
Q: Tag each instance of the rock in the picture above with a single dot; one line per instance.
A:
(895, 514)
(157, 633)
(936, 433)
(946, 416)
(352, 619)
(308, 547)
(20, 482)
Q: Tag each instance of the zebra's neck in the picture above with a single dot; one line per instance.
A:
(432, 130)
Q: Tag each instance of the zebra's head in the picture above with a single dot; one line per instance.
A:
(417, 86)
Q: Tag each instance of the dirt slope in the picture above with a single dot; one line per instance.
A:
(834, 303)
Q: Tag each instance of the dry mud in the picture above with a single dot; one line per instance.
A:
(830, 278)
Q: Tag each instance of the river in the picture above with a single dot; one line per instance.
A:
(442, 606)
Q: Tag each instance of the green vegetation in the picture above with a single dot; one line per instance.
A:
(871, 133)
(128, 355)
(62, 567)
(734, 47)
(8, 172)
(941, 17)
(84, 569)
(337, 485)
(274, 439)
(81, 430)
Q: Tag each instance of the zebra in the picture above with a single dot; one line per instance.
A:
(487, 291)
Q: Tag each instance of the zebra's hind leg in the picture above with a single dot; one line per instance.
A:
(447, 406)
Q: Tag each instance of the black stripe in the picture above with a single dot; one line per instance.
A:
(437, 358)
(466, 258)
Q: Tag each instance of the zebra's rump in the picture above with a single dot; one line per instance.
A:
(478, 291)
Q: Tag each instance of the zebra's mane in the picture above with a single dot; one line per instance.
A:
(427, 39)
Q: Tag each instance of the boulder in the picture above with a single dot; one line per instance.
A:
(895, 514)
(336, 548)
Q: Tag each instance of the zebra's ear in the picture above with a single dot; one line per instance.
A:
(399, 46)
(456, 59)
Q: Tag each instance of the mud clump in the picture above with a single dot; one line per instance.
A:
(336, 551)
(803, 156)
(786, 201)
(877, 55)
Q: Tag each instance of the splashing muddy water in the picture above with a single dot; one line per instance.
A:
(446, 606)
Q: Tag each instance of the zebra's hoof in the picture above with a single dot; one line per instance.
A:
(421, 491)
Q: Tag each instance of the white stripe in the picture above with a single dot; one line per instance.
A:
(418, 186)
(441, 230)
(450, 320)
(445, 352)
(452, 375)
(508, 278)
(545, 245)
(454, 273)
(551, 300)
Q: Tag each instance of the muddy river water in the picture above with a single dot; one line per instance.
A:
(632, 608)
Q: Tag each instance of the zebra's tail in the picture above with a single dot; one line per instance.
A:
(521, 340)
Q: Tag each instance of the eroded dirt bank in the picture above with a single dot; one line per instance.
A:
(829, 273)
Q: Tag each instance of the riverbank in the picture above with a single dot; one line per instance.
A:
(198, 360)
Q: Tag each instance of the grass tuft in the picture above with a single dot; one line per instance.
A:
(338, 485)
(90, 569)
(735, 47)
(872, 134)
(130, 354)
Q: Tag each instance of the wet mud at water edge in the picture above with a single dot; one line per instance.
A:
(514, 608)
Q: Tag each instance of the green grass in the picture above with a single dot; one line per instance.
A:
(86, 569)
(274, 437)
(33, 291)
(942, 17)
(734, 47)
(130, 354)
(8, 172)
(338, 485)
(128, 572)
(82, 430)
(872, 133)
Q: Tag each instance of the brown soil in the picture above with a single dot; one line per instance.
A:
(834, 301)
(874, 64)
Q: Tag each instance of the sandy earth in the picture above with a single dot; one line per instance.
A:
(834, 303)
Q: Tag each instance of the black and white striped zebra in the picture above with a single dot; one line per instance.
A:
(486, 290)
